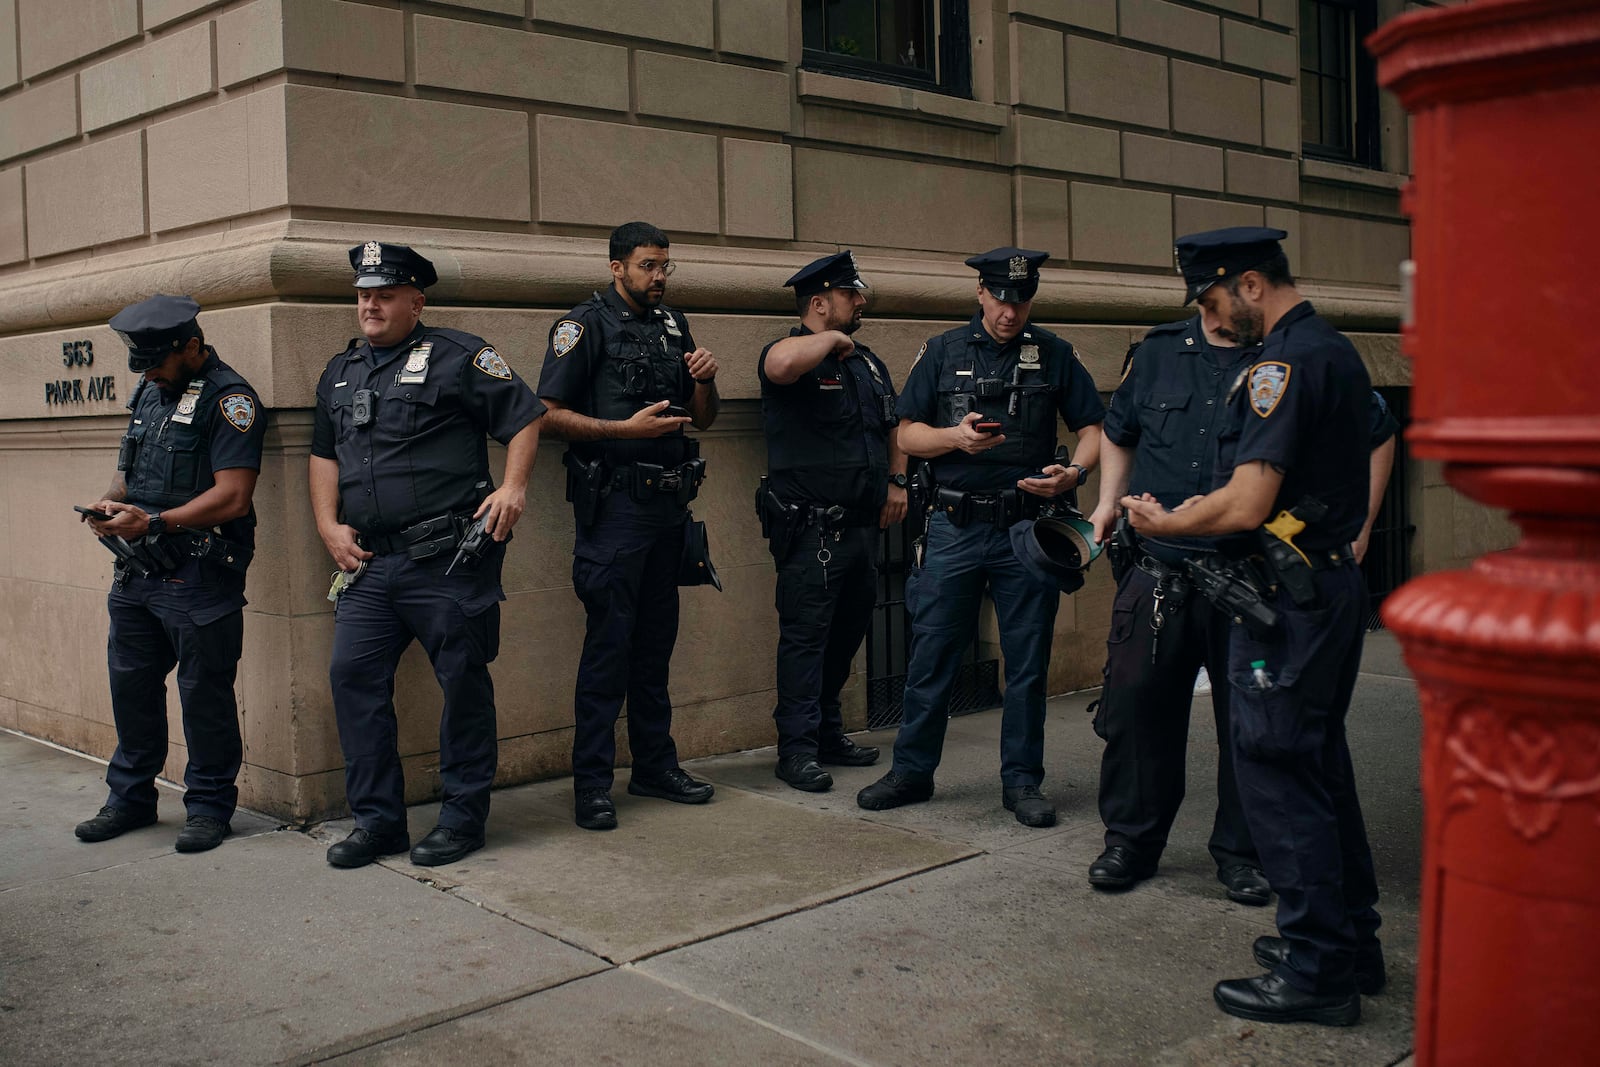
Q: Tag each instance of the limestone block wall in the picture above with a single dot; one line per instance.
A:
(232, 149)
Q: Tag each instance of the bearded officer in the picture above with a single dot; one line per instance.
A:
(836, 477)
(1296, 451)
(399, 474)
(981, 404)
(181, 515)
(622, 377)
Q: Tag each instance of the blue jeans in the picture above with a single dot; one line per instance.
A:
(943, 597)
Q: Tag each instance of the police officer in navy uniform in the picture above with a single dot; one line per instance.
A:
(1161, 437)
(399, 474)
(836, 477)
(184, 529)
(622, 377)
(981, 404)
(1297, 442)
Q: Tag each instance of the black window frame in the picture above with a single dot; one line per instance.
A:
(948, 23)
(1354, 73)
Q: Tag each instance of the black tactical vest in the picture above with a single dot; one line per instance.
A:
(1009, 388)
(816, 430)
(643, 364)
(168, 454)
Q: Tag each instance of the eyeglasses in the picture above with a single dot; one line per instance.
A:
(663, 268)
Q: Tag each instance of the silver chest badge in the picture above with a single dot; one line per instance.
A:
(1030, 357)
(416, 371)
(188, 401)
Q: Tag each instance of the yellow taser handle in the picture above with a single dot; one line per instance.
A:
(1284, 528)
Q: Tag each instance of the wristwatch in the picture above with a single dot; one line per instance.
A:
(158, 526)
(1083, 473)
(899, 481)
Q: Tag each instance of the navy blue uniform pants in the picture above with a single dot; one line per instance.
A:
(1144, 717)
(198, 627)
(456, 619)
(625, 570)
(943, 597)
(823, 614)
(1297, 784)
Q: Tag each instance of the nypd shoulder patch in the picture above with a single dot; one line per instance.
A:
(493, 364)
(240, 411)
(1267, 383)
(565, 337)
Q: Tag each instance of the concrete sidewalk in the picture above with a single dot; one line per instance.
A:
(769, 926)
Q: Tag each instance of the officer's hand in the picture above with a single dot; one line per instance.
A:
(1358, 547)
(894, 509)
(702, 365)
(843, 347)
(649, 422)
(970, 441)
(1103, 519)
(341, 544)
(504, 507)
(1146, 513)
(1057, 480)
(126, 522)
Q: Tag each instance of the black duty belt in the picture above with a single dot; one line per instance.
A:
(1325, 559)
(1001, 510)
(836, 516)
(436, 529)
(648, 477)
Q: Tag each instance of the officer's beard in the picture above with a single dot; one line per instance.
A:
(1247, 327)
(645, 298)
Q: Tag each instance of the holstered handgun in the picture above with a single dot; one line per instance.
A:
(127, 560)
(1288, 563)
(586, 485)
(780, 523)
(473, 541)
(220, 552)
(1122, 547)
(1234, 595)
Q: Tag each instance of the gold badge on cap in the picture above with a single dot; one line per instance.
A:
(1019, 268)
(371, 254)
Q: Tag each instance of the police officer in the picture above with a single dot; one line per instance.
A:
(1161, 436)
(981, 404)
(1297, 444)
(399, 474)
(622, 377)
(182, 526)
(836, 477)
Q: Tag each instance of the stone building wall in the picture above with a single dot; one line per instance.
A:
(233, 149)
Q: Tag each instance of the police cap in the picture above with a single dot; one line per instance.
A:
(378, 265)
(837, 271)
(1206, 258)
(1010, 274)
(1055, 551)
(156, 327)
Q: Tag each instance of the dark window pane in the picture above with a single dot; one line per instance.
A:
(1335, 118)
(1308, 35)
(1311, 110)
(852, 28)
(813, 31)
(1332, 40)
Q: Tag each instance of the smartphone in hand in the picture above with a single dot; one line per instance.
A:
(90, 513)
(985, 427)
(675, 411)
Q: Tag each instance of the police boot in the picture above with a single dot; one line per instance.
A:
(1370, 974)
(893, 790)
(592, 809)
(445, 844)
(846, 753)
(1031, 807)
(363, 846)
(1268, 998)
(801, 771)
(112, 822)
(1246, 884)
(201, 833)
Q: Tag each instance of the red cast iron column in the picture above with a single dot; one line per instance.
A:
(1505, 341)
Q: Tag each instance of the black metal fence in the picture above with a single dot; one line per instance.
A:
(1388, 562)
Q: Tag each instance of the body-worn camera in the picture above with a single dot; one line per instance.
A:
(361, 407)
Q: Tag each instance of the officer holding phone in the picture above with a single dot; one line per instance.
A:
(981, 405)
(178, 516)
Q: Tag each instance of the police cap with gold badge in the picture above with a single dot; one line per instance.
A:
(156, 327)
(837, 271)
(1010, 274)
(1204, 259)
(378, 265)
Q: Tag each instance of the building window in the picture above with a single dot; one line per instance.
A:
(1338, 81)
(907, 42)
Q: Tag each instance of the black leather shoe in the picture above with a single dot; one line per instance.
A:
(445, 844)
(592, 809)
(1370, 974)
(893, 790)
(674, 785)
(1246, 884)
(1031, 807)
(363, 846)
(201, 833)
(802, 772)
(1270, 999)
(1119, 867)
(112, 822)
(847, 754)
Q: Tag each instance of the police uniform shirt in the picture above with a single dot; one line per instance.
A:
(959, 357)
(827, 439)
(604, 345)
(182, 439)
(422, 452)
(1171, 409)
(1382, 424)
(1304, 406)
